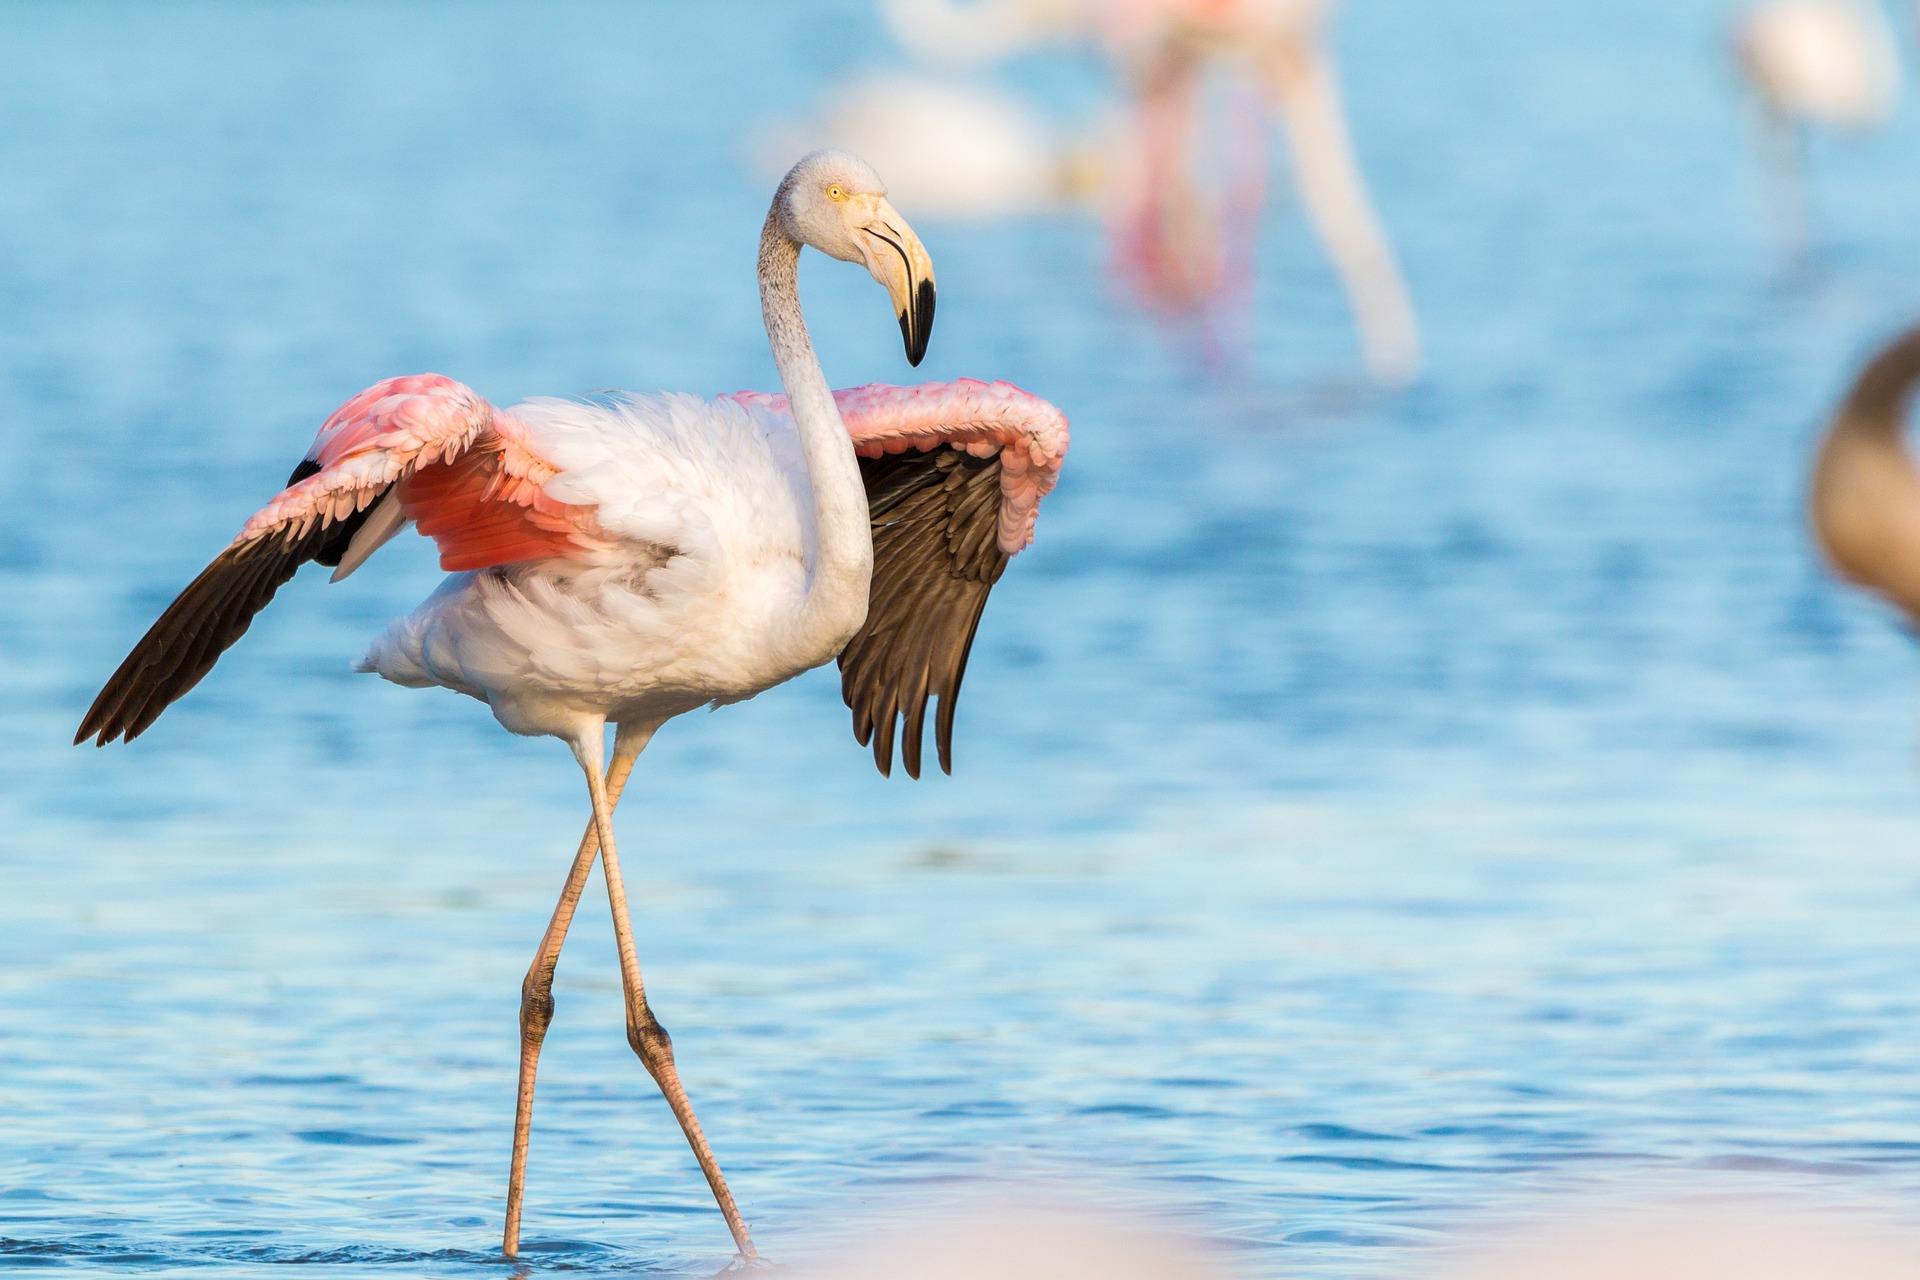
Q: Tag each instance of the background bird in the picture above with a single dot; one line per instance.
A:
(1819, 63)
(629, 560)
(1865, 500)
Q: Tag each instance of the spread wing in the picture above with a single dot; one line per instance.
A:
(420, 448)
(954, 474)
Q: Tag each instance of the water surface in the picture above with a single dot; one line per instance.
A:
(1372, 813)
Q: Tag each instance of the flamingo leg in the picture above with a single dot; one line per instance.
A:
(1303, 86)
(536, 991)
(1780, 144)
(1245, 149)
(1154, 186)
(644, 1032)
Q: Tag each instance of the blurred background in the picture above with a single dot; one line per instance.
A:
(1372, 808)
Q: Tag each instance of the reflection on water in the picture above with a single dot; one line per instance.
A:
(1370, 812)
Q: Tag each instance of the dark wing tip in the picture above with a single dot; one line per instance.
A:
(203, 621)
(206, 619)
(935, 560)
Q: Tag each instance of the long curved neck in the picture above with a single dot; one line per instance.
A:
(1877, 405)
(1865, 494)
(842, 569)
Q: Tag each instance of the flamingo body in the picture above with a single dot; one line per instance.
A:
(1829, 62)
(701, 533)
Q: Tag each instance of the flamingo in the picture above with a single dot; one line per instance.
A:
(1185, 250)
(1271, 58)
(1829, 63)
(1865, 500)
(631, 559)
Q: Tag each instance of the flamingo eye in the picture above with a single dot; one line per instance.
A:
(835, 191)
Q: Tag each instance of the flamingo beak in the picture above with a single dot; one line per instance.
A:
(897, 259)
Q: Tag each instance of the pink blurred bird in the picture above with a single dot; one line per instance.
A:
(630, 560)
(1187, 176)
(1190, 251)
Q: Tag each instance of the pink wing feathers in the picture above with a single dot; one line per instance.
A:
(986, 419)
(994, 420)
(955, 472)
(464, 471)
(421, 448)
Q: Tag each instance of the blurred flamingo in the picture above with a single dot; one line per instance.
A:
(977, 32)
(1187, 181)
(1866, 488)
(1268, 57)
(630, 560)
(951, 148)
(1829, 63)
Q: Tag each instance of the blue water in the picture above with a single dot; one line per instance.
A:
(1372, 813)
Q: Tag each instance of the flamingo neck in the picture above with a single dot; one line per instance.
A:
(842, 568)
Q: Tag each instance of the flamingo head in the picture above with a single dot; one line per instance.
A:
(834, 201)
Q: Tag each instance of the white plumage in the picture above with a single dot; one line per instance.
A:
(690, 600)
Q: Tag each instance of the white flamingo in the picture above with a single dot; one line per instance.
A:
(1827, 63)
(974, 32)
(631, 560)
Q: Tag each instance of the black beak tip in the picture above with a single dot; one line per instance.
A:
(916, 323)
(906, 336)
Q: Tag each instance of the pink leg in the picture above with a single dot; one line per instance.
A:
(1145, 243)
(536, 991)
(644, 1032)
(1245, 131)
